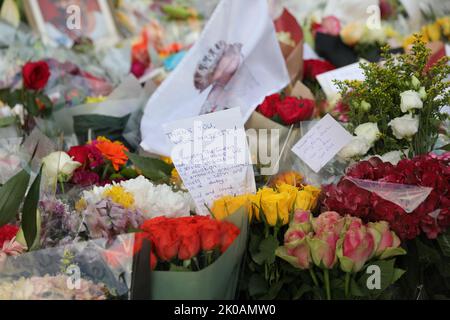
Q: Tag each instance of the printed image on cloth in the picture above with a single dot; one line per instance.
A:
(235, 63)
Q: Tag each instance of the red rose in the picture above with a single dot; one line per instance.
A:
(7, 232)
(35, 75)
(268, 107)
(166, 243)
(292, 110)
(79, 154)
(229, 233)
(312, 68)
(138, 69)
(210, 236)
(189, 243)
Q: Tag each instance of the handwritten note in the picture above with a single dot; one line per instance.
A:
(321, 143)
(350, 72)
(211, 155)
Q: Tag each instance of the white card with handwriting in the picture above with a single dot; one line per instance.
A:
(211, 154)
(321, 143)
(350, 72)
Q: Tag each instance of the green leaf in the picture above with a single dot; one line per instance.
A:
(304, 288)
(257, 285)
(266, 253)
(387, 275)
(427, 255)
(153, 169)
(444, 243)
(398, 273)
(29, 212)
(11, 196)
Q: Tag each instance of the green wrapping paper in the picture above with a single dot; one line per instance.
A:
(218, 281)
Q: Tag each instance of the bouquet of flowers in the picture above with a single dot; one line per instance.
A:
(271, 209)
(189, 252)
(342, 247)
(413, 197)
(397, 108)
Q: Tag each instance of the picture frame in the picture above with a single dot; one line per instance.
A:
(57, 23)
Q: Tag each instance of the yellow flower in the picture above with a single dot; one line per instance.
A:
(291, 191)
(228, 205)
(433, 31)
(289, 177)
(167, 160)
(275, 206)
(444, 23)
(352, 33)
(80, 205)
(118, 195)
(97, 99)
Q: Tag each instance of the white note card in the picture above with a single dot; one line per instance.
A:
(211, 154)
(350, 72)
(321, 143)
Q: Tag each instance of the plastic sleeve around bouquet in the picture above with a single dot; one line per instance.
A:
(408, 197)
(218, 281)
(93, 270)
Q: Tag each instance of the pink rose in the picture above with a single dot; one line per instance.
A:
(296, 249)
(355, 246)
(323, 249)
(302, 220)
(329, 221)
(387, 244)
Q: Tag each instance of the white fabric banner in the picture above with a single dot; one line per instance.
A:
(235, 63)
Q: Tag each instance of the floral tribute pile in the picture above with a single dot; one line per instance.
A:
(431, 217)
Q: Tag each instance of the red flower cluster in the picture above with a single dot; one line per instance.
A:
(432, 216)
(312, 68)
(35, 75)
(186, 237)
(90, 158)
(289, 109)
(7, 232)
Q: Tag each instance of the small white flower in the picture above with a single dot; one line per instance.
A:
(410, 100)
(58, 166)
(369, 131)
(357, 147)
(405, 127)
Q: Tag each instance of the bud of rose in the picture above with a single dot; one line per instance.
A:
(329, 221)
(404, 127)
(410, 100)
(387, 244)
(58, 166)
(323, 249)
(365, 106)
(355, 246)
(422, 93)
(415, 83)
(296, 252)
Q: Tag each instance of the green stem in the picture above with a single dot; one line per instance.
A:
(313, 277)
(347, 284)
(105, 171)
(326, 278)
(61, 184)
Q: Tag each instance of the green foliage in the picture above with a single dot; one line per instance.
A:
(29, 212)
(11, 196)
(382, 87)
(35, 102)
(153, 169)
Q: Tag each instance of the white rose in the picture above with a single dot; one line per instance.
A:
(357, 147)
(405, 127)
(410, 100)
(369, 131)
(58, 166)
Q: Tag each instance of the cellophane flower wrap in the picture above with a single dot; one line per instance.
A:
(93, 270)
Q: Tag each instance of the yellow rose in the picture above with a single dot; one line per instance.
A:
(352, 33)
(433, 31)
(290, 177)
(255, 202)
(219, 208)
(275, 206)
(444, 23)
(228, 205)
(307, 198)
(291, 191)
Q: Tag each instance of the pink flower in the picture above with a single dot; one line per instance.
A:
(11, 248)
(296, 248)
(323, 249)
(356, 245)
(329, 221)
(301, 216)
(387, 244)
(302, 254)
(329, 25)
